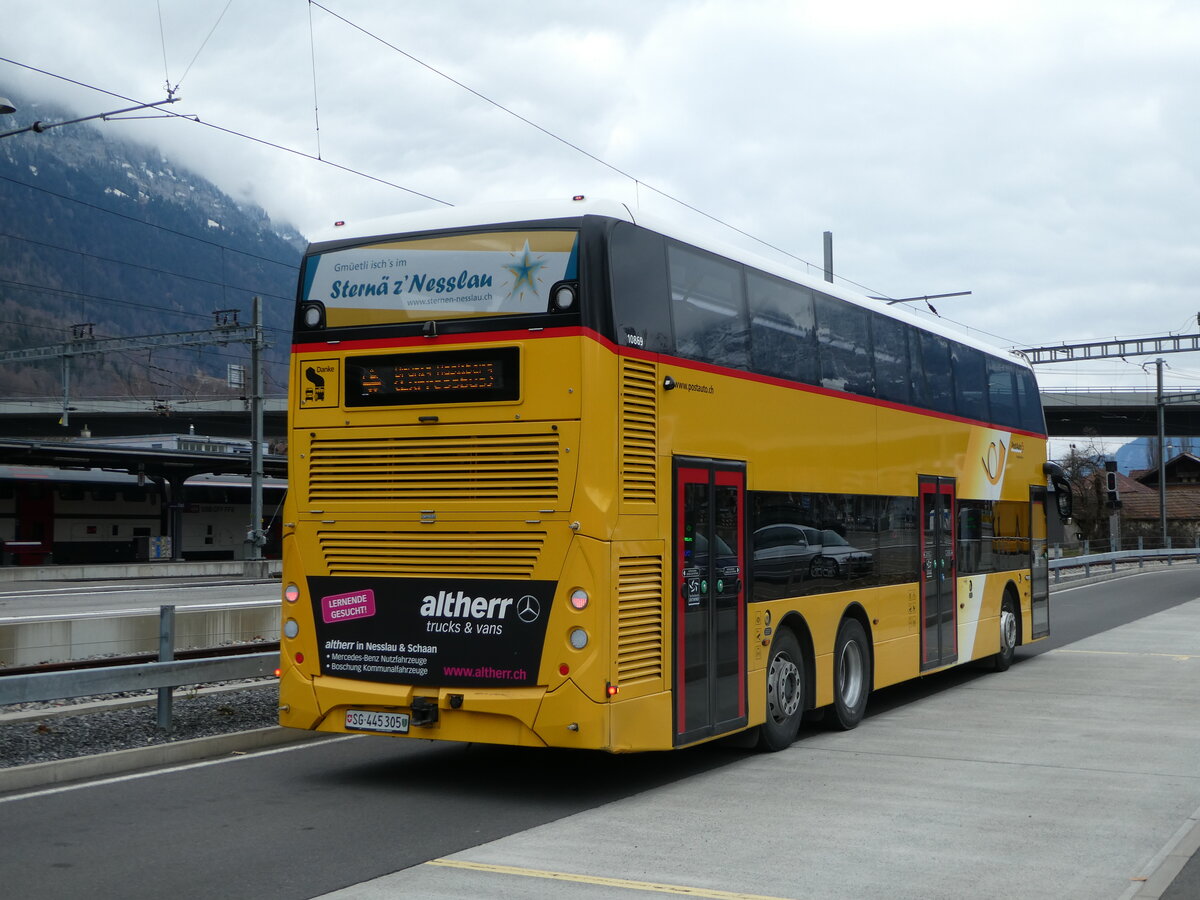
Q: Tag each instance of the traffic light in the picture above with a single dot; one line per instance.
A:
(1110, 475)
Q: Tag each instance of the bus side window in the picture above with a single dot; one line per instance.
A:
(844, 341)
(920, 387)
(970, 382)
(1002, 392)
(638, 268)
(783, 331)
(892, 369)
(708, 308)
(1029, 401)
(939, 379)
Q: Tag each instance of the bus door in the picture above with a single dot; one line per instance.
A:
(1040, 565)
(710, 598)
(939, 606)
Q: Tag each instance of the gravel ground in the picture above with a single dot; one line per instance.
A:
(60, 734)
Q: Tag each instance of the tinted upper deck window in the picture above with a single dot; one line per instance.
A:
(783, 332)
(638, 269)
(844, 342)
(708, 308)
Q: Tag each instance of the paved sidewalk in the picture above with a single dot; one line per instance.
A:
(1074, 775)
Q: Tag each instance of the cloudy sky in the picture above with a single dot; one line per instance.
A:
(1042, 154)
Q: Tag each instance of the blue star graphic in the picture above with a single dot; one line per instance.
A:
(524, 270)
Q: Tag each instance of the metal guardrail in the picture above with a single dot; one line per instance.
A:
(42, 686)
(1140, 556)
(166, 674)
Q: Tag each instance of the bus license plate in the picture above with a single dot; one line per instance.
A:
(364, 720)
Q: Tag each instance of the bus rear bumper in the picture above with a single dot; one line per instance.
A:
(525, 717)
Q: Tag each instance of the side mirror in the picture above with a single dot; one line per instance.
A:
(1064, 499)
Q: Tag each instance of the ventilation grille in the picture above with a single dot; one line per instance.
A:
(465, 554)
(519, 468)
(639, 619)
(639, 432)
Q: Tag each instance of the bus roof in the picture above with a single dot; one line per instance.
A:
(483, 215)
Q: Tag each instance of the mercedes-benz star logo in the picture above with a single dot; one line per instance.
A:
(528, 609)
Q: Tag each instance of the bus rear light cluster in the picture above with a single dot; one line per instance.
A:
(291, 593)
(579, 598)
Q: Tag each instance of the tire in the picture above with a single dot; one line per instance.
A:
(851, 674)
(1008, 633)
(785, 693)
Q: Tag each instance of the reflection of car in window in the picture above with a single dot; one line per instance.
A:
(842, 560)
(725, 554)
(789, 553)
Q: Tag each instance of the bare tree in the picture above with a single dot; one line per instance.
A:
(1084, 464)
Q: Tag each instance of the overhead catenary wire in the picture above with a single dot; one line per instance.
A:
(203, 44)
(350, 170)
(638, 182)
(121, 262)
(135, 219)
(249, 137)
(312, 49)
(121, 302)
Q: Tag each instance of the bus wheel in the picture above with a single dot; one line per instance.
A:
(851, 674)
(1008, 633)
(785, 693)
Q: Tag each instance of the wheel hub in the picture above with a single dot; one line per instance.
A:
(1008, 629)
(783, 688)
(850, 673)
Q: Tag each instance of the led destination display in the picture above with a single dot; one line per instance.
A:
(460, 376)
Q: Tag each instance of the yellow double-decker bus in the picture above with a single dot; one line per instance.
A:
(560, 476)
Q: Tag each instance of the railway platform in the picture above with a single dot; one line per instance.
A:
(232, 568)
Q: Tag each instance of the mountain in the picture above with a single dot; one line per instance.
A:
(113, 237)
(1142, 453)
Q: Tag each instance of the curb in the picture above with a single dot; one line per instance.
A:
(59, 771)
(1162, 872)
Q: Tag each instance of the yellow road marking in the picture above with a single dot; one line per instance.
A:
(681, 890)
(1179, 657)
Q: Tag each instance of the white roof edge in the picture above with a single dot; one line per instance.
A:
(477, 214)
(533, 210)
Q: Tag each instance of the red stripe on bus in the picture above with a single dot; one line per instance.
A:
(645, 356)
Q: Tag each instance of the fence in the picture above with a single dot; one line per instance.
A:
(165, 675)
(1141, 555)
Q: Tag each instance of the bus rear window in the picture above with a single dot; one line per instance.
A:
(493, 273)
